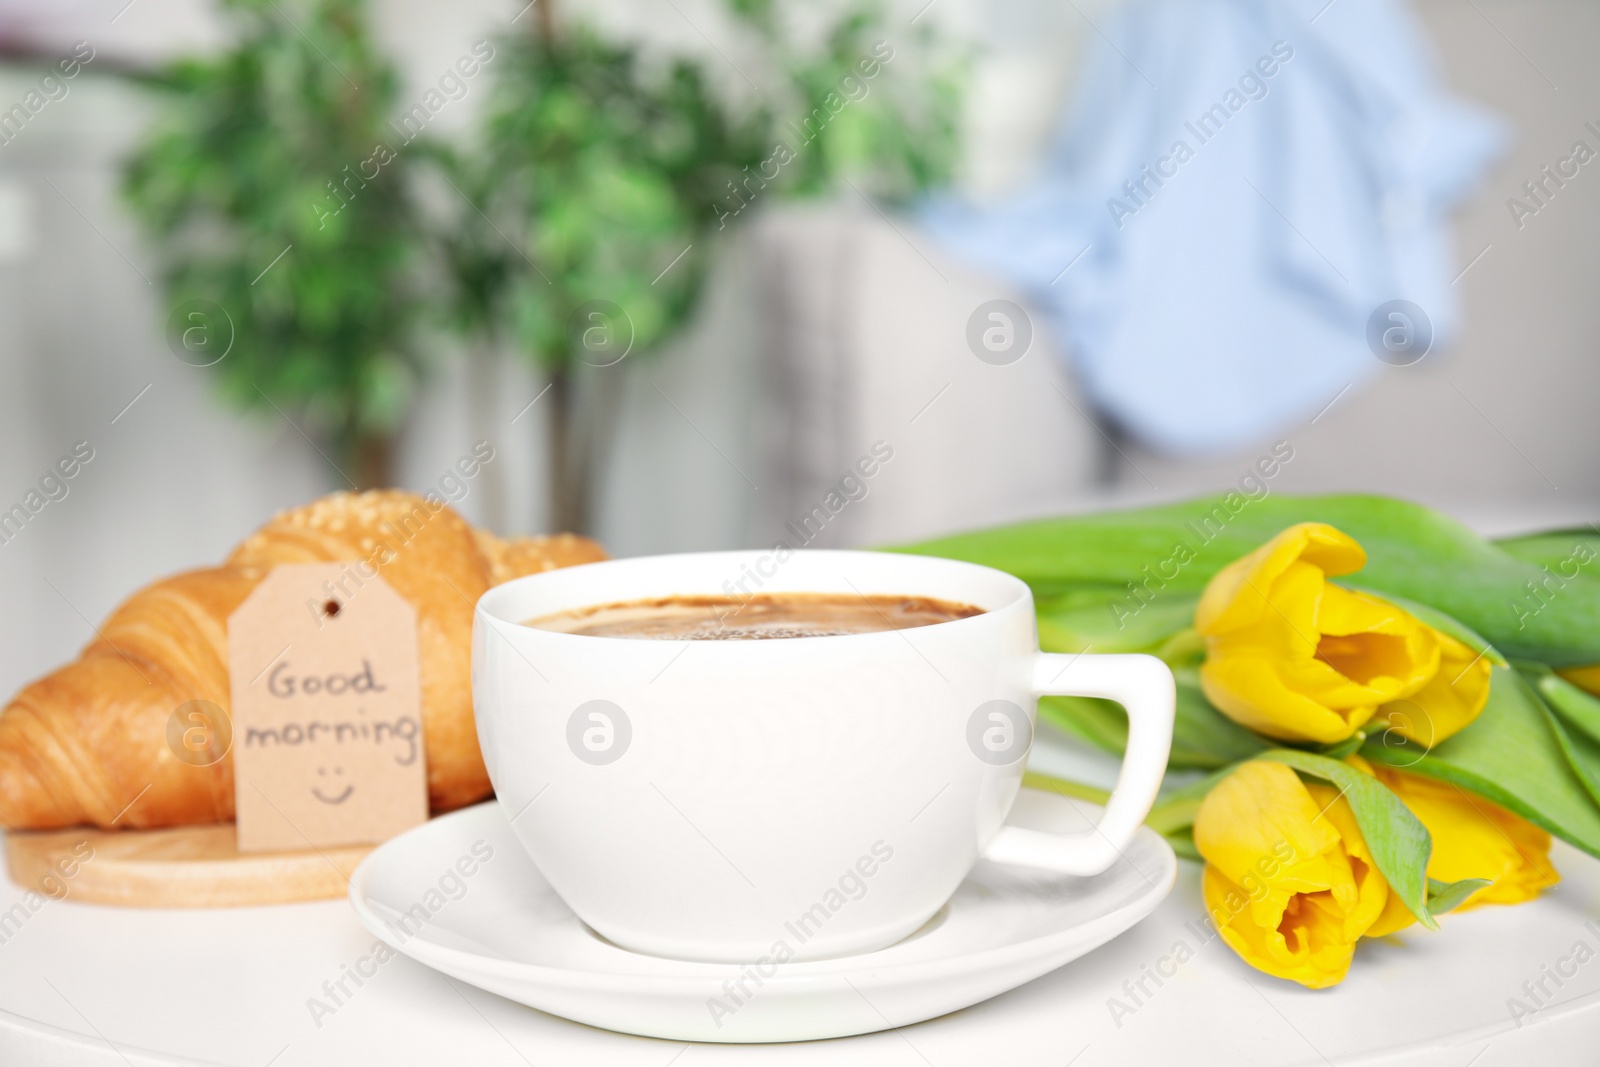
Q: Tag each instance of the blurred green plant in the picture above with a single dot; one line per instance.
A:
(861, 106)
(589, 213)
(579, 223)
(271, 189)
(595, 178)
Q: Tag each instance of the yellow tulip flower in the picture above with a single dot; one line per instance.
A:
(1292, 656)
(1449, 702)
(1473, 838)
(1289, 881)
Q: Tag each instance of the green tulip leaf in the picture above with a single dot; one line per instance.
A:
(1101, 723)
(1399, 843)
(1565, 552)
(1412, 552)
(1582, 753)
(1516, 755)
(1202, 737)
(1580, 747)
(1087, 621)
(1574, 706)
(1448, 896)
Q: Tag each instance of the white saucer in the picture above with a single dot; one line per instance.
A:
(503, 929)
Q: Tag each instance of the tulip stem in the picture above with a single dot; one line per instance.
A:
(1182, 843)
(1076, 790)
(1339, 750)
(1176, 811)
(1185, 646)
(1171, 818)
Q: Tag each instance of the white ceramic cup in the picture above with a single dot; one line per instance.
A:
(798, 798)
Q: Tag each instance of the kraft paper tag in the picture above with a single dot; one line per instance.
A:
(327, 720)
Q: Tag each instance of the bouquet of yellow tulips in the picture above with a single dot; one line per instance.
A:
(1381, 716)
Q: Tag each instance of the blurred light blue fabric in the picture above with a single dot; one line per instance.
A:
(1213, 295)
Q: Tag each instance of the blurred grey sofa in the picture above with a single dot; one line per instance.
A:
(868, 345)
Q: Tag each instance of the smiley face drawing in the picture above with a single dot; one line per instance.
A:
(338, 797)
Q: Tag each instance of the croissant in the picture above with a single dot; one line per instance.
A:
(88, 743)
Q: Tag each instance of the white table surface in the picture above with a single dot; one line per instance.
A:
(83, 984)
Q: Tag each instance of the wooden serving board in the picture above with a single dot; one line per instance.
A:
(181, 867)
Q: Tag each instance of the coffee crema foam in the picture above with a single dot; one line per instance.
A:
(763, 617)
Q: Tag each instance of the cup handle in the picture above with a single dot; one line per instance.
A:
(1144, 686)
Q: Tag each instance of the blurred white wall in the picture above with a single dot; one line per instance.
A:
(177, 479)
